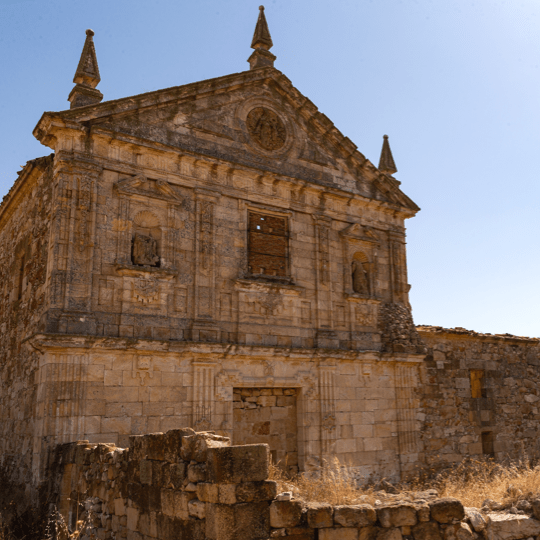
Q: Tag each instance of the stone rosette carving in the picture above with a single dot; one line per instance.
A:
(146, 290)
(266, 128)
(329, 423)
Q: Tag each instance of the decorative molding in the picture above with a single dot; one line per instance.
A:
(203, 395)
(141, 187)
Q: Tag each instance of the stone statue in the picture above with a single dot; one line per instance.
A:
(145, 250)
(360, 278)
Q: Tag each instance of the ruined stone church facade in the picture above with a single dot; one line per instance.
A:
(215, 255)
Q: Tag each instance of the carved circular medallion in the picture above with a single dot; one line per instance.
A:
(266, 128)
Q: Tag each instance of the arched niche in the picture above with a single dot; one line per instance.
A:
(362, 274)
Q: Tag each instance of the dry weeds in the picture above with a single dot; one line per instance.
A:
(472, 482)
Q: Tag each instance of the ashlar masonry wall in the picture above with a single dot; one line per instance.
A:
(481, 395)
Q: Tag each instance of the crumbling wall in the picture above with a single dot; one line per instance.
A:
(187, 485)
(480, 395)
(25, 216)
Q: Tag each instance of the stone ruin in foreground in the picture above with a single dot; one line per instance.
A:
(218, 255)
(195, 486)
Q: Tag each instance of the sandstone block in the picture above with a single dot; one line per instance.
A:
(511, 527)
(478, 521)
(208, 492)
(285, 514)
(422, 511)
(194, 447)
(398, 515)
(196, 472)
(427, 531)
(368, 533)
(446, 510)
(320, 516)
(132, 519)
(300, 533)
(236, 464)
(390, 534)
(359, 515)
(197, 509)
(255, 491)
(338, 534)
(246, 521)
(172, 443)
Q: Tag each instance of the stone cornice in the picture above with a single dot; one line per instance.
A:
(210, 351)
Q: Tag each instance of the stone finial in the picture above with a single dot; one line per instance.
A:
(262, 43)
(386, 163)
(86, 77)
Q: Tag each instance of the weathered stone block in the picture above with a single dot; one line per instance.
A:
(446, 510)
(359, 515)
(194, 447)
(399, 515)
(427, 531)
(247, 521)
(196, 472)
(208, 492)
(338, 534)
(197, 509)
(320, 515)
(236, 464)
(511, 527)
(256, 491)
(285, 514)
(172, 443)
(390, 534)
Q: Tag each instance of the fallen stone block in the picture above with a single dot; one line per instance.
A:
(285, 514)
(320, 516)
(446, 510)
(236, 464)
(511, 527)
(477, 519)
(358, 515)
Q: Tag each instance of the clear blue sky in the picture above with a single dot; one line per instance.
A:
(456, 86)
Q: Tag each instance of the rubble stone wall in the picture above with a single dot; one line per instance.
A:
(481, 395)
(187, 485)
(26, 218)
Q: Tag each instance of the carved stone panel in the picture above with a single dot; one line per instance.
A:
(266, 128)
(145, 251)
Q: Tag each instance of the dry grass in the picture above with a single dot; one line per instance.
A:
(472, 482)
(334, 483)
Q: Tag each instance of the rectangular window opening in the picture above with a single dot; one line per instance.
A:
(478, 389)
(487, 443)
(268, 245)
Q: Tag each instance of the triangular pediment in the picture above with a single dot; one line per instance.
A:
(255, 119)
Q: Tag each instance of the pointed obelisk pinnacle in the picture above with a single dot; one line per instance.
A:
(86, 77)
(262, 43)
(386, 163)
